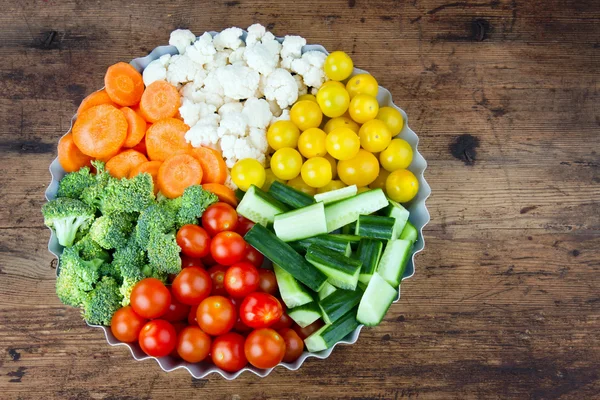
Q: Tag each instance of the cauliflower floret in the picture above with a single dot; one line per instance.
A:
(156, 70)
(292, 49)
(302, 89)
(237, 56)
(238, 82)
(258, 139)
(282, 87)
(233, 124)
(205, 132)
(234, 107)
(182, 69)
(310, 67)
(220, 60)
(263, 56)
(181, 38)
(285, 116)
(274, 107)
(202, 51)
(257, 113)
(255, 33)
(229, 183)
(228, 39)
(235, 149)
(192, 112)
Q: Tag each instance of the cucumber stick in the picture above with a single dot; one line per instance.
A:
(377, 299)
(260, 207)
(329, 335)
(347, 211)
(375, 226)
(306, 314)
(301, 223)
(409, 233)
(292, 292)
(393, 261)
(335, 306)
(353, 239)
(341, 271)
(239, 194)
(327, 289)
(399, 213)
(337, 195)
(333, 242)
(369, 253)
(290, 196)
(285, 256)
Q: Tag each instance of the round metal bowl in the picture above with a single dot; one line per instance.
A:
(419, 216)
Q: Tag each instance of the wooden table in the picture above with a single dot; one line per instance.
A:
(505, 302)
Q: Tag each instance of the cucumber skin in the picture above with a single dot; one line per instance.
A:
(399, 213)
(246, 211)
(378, 290)
(394, 249)
(409, 233)
(329, 335)
(342, 271)
(339, 303)
(312, 217)
(376, 227)
(290, 196)
(369, 253)
(346, 211)
(329, 241)
(239, 194)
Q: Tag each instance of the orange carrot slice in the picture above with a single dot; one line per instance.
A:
(224, 194)
(136, 127)
(177, 173)
(141, 147)
(165, 138)
(213, 165)
(95, 99)
(100, 131)
(149, 167)
(120, 166)
(69, 155)
(124, 84)
(160, 100)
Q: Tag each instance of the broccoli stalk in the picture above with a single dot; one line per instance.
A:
(72, 185)
(102, 302)
(112, 231)
(192, 204)
(66, 216)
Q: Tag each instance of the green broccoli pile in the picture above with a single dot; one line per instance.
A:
(115, 232)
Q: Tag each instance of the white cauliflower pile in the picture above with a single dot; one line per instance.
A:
(233, 89)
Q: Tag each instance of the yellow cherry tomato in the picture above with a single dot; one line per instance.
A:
(397, 155)
(283, 134)
(338, 66)
(316, 172)
(334, 184)
(361, 170)
(306, 114)
(333, 163)
(332, 83)
(269, 179)
(374, 136)
(402, 186)
(333, 100)
(363, 108)
(248, 172)
(362, 84)
(342, 143)
(286, 163)
(299, 184)
(341, 121)
(379, 182)
(362, 189)
(311, 143)
(392, 118)
(309, 97)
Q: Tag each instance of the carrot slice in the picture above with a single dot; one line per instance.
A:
(69, 155)
(124, 84)
(136, 127)
(224, 194)
(165, 138)
(95, 99)
(100, 131)
(213, 165)
(177, 173)
(121, 165)
(160, 100)
(141, 147)
(150, 167)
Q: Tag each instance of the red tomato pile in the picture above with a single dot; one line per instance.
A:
(227, 312)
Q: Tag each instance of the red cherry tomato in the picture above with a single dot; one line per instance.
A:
(227, 352)
(193, 240)
(260, 310)
(308, 330)
(193, 345)
(253, 256)
(227, 248)
(209, 260)
(216, 315)
(219, 217)
(191, 262)
(126, 324)
(158, 338)
(264, 348)
(192, 285)
(192, 321)
(241, 279)
(294, 346)
(239, 326)
(284, 322)
(243, 225)
(150, 298)
(177, 311)
(179, 326)
(267, 281)
(217, 274)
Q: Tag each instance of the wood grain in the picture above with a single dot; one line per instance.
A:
(505, 302)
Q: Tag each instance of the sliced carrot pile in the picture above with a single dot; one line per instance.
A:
(213, 165)
(100, 131)
(160, 100)
(69, 155)
(177, 173)
(95, 99)
(124, 84)
(121, 165)
(150, 167)
(136, 127)
(141, 147)
(165, 138)
(224, 194)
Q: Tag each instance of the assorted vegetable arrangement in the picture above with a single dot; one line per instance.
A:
(178, 237)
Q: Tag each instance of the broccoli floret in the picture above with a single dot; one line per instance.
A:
(92, 195)
(72, 185)
(90, 250)
(66, 216)
(154, 219)
(129, 261)
(163, 253)
(128, 195)
(101, 303)
(194, 202)
(112, 231)
(76, 276)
